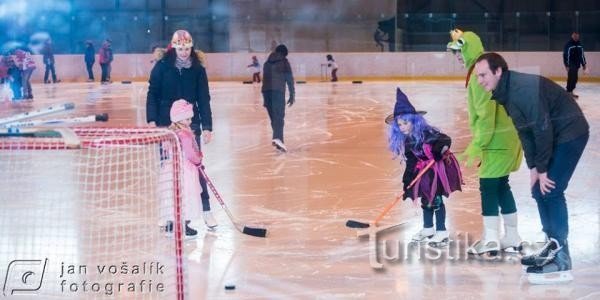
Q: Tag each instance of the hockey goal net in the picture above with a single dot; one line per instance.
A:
(82, 210)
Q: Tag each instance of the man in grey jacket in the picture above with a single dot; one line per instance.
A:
(554, 133)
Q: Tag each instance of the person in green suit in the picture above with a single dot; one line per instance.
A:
(495, 145)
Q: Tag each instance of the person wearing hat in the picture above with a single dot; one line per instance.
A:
(333, 66)
(277, 72)
(181, 115)
(496, 145)
(417, 143)
(179, 74)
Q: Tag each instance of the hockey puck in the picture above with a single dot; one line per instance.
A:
(247, 82)
(357, 81)
(126, 82)
(230, 287)
(300, 82)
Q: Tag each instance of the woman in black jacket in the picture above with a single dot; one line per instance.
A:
(179, 74)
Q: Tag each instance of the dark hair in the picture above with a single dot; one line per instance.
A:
(282, 49)
(329, 57)
(495, 61)
(171, 56)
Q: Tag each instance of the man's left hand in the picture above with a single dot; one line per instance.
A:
(546, 184)
(206, 136)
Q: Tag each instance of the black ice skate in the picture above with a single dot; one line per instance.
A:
(557, 270)
(542, 256)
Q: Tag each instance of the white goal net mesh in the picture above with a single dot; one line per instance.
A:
(85, 221)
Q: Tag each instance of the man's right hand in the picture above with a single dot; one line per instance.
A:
(291, 101)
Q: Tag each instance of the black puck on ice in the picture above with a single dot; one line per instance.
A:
(247, 82)
(126, 82)
(230, 287)
(357, 81)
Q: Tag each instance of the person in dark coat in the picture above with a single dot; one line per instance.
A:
(573, 59)
(90, 59)
(48, 56)
(277, 72)
(105, 58)
(554, 133)
(179, 74)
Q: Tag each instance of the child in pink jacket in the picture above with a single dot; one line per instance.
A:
(181, 118)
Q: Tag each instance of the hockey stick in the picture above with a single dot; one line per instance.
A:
(258, 232)
(37, 113)
(357, 224)
(89, 119)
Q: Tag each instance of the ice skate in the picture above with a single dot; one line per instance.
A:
(556, 270)
(439, 240)
(190, 232)
(489, 244)
(168, 229)
(543, 255)
(277, 143)
(423, 235)
(209, 220)
(511, 241)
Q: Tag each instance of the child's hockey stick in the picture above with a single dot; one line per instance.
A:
(357, 224)
(258, 232)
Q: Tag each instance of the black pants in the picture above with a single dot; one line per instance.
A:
(496, 196)
(105, 72)
(256, 77)
(50, 69)
(572, 78)
(334, 75)
(204, 195)
(88, 66)
(274, 102)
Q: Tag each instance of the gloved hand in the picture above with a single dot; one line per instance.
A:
(291, 101)
(437, 156)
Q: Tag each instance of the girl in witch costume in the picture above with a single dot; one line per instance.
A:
(413, 140)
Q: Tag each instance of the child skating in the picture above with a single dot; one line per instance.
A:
(417, 143)
(181, 117)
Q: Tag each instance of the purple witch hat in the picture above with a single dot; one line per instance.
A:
(402, 107)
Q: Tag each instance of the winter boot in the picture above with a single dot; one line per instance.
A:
(439, 240)
(210, 222)
(423, 235)
(489, 244)
(556, 270)
(511, 241)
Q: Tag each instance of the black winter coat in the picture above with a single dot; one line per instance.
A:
(169, 84)
(543, 113)
(573, 56)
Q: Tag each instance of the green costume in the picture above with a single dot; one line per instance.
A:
(495, 141)
(496, 144)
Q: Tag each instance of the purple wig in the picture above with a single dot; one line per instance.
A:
(397, 139)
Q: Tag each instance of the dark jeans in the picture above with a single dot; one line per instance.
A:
(439, 209)
(204, 195)
(572, 77)
(105, 72)
(256, 77)
(495, 192)
(88, 66)
(50, 69)
(552, 207)
(274, 102)
(334, 75)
